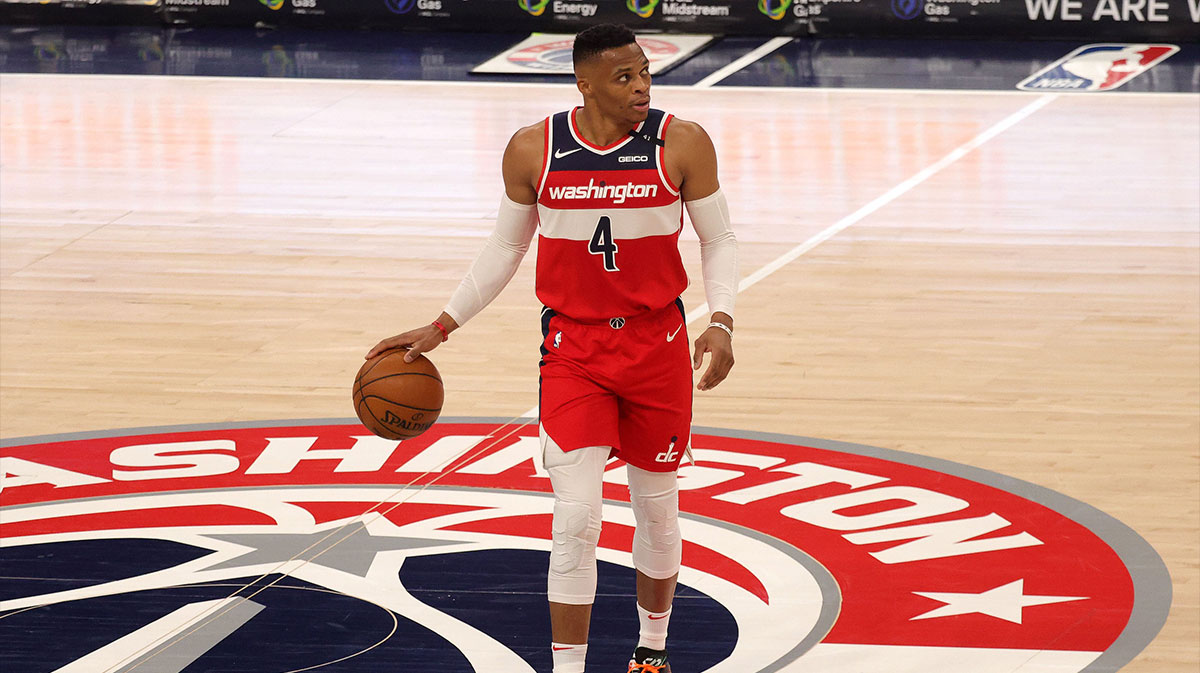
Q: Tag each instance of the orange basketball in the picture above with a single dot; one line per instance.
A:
(397, 399)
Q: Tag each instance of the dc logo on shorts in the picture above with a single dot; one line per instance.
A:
(1098, 67)
(616, 323)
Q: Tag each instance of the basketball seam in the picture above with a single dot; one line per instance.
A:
(398, 404)
(383, 356)
(373, 366)
(388, 376)
(379, 422)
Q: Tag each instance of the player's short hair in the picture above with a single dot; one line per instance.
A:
(601, 37)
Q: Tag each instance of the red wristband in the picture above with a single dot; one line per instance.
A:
(445, 334)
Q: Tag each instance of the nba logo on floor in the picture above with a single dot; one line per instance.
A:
(1098, 67)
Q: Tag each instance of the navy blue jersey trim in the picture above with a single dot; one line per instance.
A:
(569, 154)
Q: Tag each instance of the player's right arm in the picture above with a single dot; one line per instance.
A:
(501, 255)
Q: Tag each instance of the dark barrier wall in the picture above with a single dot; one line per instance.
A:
(1173, 20)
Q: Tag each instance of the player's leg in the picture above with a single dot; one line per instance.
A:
(577, 479)
(657, 553)
(576, 411)
(654, 418)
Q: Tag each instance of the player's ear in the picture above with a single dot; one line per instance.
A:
(584, 86)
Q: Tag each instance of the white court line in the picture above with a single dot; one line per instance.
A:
(890, 195)
(762, 50)
(878, 202)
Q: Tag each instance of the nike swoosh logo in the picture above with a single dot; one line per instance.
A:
(671, 336)
(558, 154)
(659, 616)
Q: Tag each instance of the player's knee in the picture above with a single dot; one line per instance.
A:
(657, 543)
(574, 534)
(658, 520)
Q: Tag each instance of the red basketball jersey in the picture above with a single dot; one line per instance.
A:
(608, 244)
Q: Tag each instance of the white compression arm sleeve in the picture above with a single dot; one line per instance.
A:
(718, 250)
(498, 261)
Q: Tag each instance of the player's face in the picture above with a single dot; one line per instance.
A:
(618, 80)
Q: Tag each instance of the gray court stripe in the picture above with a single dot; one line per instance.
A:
(1151, 580)
(831, 593)
(184, 648)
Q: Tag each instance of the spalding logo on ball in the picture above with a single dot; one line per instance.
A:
(397, 399)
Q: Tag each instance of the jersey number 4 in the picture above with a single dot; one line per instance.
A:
(602, 243)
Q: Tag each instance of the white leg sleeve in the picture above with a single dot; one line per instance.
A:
(657, 544)
(578, 493)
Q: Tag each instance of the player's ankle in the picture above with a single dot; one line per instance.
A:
(568, 658)
(652, 633)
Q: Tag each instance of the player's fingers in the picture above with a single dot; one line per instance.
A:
(385, 345)
(700, 350)
(398, 341)
(422, 346)
(718, 369)
(429, 338)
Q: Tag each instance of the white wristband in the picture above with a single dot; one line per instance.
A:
(723, 326)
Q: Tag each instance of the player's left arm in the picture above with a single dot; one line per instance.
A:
(692, 161)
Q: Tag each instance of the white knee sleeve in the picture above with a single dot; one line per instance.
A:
(572, 576)
(657, 543)
(577, 478)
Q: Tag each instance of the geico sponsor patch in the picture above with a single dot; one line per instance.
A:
(286, 546)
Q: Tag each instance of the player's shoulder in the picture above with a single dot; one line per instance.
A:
(532, 136)
(527, 145)
(528, 142)
(684, 133)
(686, 142)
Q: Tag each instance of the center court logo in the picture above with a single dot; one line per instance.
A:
(800, 552)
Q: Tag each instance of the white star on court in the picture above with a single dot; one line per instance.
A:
(1004, 602)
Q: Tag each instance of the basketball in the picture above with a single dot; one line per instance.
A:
(397, 399)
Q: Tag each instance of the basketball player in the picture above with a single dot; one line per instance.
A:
(605, 182)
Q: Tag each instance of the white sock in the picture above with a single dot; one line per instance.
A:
(653, 632)
(568, 658)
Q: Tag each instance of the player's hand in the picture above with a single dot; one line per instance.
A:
(417, 341)
(718, 342)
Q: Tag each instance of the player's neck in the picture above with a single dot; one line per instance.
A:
(598, 129)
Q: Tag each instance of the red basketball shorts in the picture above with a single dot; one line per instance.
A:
(626, 383)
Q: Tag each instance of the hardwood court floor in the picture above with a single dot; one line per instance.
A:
(199, 250)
